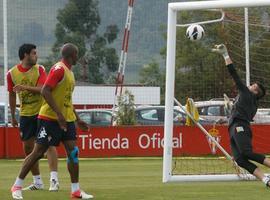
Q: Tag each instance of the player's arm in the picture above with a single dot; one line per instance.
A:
(222, 50)
(81, 124)
(12, 100)
(33, 89)
(55, 76)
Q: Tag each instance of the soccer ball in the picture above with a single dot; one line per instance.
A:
(195, 32)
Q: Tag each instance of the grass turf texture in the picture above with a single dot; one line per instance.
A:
(128, 178)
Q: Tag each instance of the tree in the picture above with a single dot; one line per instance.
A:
(152, 75)
(78, 23)
(199, 74)
(202, 75)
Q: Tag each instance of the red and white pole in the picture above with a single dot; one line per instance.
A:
(123, 56)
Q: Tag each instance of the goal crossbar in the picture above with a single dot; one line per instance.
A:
(170, 78)
(199, 5)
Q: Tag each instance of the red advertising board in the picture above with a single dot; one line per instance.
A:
(141, 141)
(2, 142)
(13, 145)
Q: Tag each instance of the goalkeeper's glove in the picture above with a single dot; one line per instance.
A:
(222, 50)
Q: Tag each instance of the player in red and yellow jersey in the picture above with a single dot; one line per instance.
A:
(57, 119)
(26, 79)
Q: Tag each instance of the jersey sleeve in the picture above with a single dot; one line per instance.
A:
(239, 83)
(10, 83)
(42, 75)
(56, 74)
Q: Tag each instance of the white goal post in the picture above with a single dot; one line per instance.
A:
(173, 8)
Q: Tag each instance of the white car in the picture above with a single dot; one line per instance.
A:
(217, 111)
(213, 110)
(2, 114)
(262, 116)
(96, 117)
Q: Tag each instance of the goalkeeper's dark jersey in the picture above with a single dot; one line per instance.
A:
(246, 104)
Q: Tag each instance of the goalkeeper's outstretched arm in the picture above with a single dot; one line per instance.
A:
(222, 50)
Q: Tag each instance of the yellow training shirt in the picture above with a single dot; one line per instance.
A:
(62, 95)
(30, 102)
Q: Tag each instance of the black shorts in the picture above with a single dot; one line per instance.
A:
(28, 127)
(50, 134)
(240, 138)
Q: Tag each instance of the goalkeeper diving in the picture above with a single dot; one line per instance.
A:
(243, 111)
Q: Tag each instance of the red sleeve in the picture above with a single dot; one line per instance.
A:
(55, 76)
(42, 75)
(10, 83)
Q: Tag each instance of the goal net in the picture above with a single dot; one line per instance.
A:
(193, 71)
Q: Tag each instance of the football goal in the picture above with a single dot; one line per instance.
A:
(192, 71)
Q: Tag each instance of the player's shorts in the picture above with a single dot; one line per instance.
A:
(28, 127)
(50, 134)
(240, 138)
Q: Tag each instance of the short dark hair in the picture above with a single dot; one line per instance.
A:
(25, 49)
(262, 91)
(68, 50)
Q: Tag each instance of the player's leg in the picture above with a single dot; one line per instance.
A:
(28, 146)
(72, 160)
(50, 133)
(69, 141)
(241, 138)
(28, 163)
(239, 158)
(28, 128)
(44, 139)
(266, 162)
(53, 165)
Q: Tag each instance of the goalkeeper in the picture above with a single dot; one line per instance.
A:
(244, 109)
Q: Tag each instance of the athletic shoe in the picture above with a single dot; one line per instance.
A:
(54, 186)
(79, 194)
(267, 181)
(34, 186)
(16, 192)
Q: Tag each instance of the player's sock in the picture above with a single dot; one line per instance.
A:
(37, 180)
(75, 187)
(54, 176)
(18, 182)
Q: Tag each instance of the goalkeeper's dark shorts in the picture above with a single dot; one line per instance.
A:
(241, 146)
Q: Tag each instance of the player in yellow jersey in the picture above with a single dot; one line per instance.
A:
(57, 119)
(26, 79)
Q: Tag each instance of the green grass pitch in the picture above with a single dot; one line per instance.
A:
(128, 179)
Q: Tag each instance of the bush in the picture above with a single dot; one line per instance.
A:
(126, 109)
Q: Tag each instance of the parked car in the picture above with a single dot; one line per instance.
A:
(215, 110)
(96, 117)
(262, 116)
(2, 114)
(154, 115)
(263, 111)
